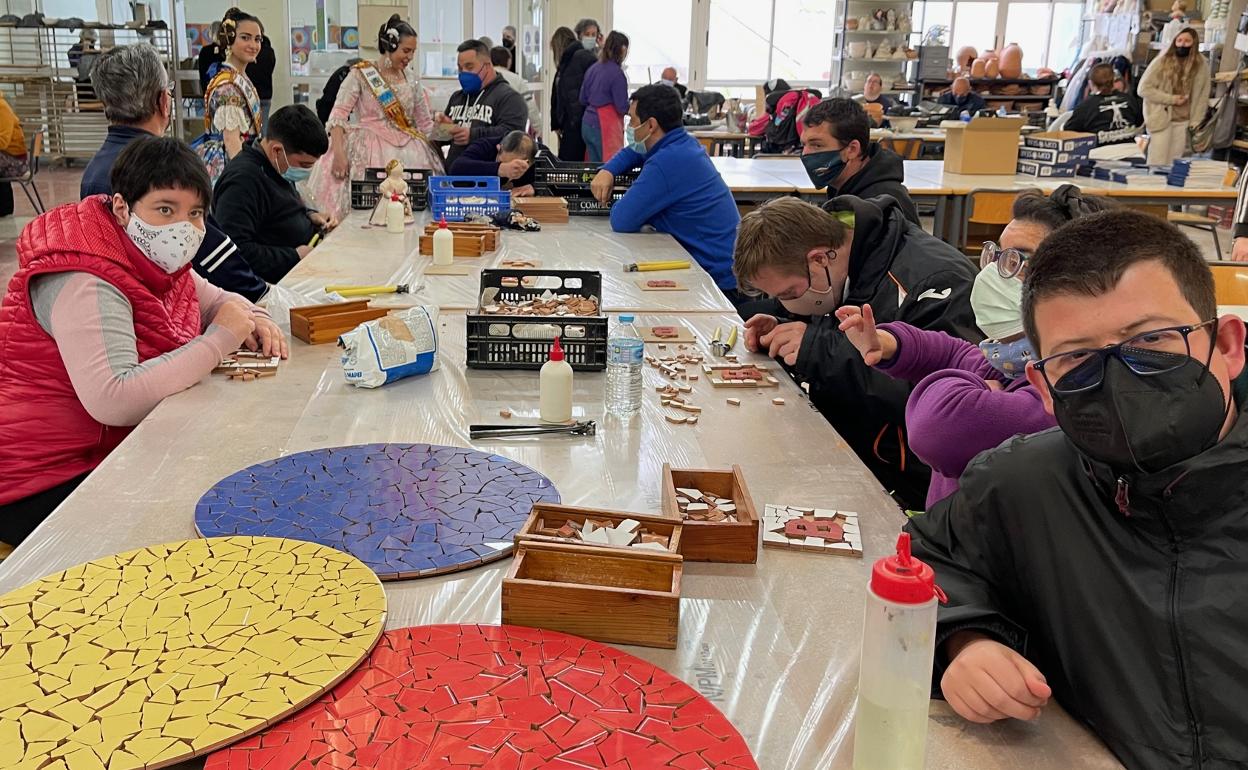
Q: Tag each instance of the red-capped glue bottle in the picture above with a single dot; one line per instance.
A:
(895, 677)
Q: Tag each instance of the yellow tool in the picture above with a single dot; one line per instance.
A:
(361, 291)
(315, 240)
(671, 264)
(719, 345)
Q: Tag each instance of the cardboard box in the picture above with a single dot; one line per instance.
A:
(982, 146)
(1050, 157)
(1032, 168)
(1062, 141)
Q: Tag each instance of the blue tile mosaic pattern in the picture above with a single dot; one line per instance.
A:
(405, 510)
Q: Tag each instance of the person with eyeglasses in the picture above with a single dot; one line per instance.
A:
(968, 398)
(1102, 564)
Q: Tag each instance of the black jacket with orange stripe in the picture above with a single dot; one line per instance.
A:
(906, 275)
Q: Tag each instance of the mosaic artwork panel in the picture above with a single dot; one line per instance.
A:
(498, 698)
(405, 510)
(149, 657)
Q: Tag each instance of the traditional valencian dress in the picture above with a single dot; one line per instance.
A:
(230, 104)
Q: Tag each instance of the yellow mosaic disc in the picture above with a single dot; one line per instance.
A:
(149, 657)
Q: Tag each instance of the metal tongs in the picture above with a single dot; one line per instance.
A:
(584, 428)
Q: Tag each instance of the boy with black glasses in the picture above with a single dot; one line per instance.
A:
(1102, 564)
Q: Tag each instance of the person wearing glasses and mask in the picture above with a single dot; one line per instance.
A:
(838, 154)
(257, 203)
(1101, 564)
(812, 260)
(969, 398)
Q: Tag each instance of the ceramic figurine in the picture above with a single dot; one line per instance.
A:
(903, 24)
(890, 20)
(392, 185)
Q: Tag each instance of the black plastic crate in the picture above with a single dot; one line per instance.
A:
(572, 180)
(497, 341)
(364, 191)
(580, 203)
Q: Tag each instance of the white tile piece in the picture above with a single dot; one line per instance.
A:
(628, 525)
(692, 494)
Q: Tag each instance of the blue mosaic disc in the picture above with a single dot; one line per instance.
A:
(405, 510)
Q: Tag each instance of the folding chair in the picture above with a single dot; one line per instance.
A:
(27, 180)
(1230, 282)
(1198, 222)
(985, 207)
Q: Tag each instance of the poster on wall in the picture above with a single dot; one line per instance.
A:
(301, 42)
(198, 36)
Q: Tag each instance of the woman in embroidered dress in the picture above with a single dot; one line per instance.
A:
(232, 113)
(394, 122)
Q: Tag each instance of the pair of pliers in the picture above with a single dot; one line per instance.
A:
(722, 346)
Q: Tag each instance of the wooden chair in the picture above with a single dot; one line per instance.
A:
(985, 207)
(27, 180)
(908, 149)
(1230, 282)
(1199, 222)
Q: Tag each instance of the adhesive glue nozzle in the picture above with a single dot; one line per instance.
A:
(442, 223)
(556, 351)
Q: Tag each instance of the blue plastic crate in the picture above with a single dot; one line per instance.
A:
(458, 197)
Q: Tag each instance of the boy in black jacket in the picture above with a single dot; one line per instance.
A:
(257, 203)
(484, 105)
(1103, 563)
(856, 251)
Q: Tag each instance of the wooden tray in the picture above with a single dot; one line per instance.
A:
(318, 324)
(544, 210)
(548, 515)
(465, 245)
(490, 232)
(613, 595)
(733, 542)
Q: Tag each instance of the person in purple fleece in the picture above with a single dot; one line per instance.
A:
(968, 398)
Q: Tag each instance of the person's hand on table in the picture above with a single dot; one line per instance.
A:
(755, 328)
(513, 169)
(1239, 250)
(237, 318)
(326, 223)
(267, 338)
(523, 191)
(987, 681)
(785, 341)
(459, 134)
(303, 251)
(859, 327)
(602, 186)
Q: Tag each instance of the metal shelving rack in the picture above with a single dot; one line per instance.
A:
(888, 65)
(47, 95)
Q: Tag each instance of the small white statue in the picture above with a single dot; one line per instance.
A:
(392, 185)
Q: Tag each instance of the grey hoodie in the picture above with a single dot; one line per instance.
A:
(493, 111)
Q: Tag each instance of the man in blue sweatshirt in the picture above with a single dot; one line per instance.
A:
(678, 192)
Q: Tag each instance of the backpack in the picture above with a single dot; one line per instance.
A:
(784, 132)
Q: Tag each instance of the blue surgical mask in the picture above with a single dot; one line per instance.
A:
(634, 144)
(470, 82)
(1009, 358)
(293, 173)
(823, 167)
(589, 43)
(667, 82)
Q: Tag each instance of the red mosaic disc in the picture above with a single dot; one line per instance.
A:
(498, 698)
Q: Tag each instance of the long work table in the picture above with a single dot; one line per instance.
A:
(774, 645)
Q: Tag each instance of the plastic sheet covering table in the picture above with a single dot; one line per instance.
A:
(360, 255)
(774, 645)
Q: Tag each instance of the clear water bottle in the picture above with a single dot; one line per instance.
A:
(625, 351)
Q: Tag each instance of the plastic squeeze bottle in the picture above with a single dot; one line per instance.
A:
(895, 679)
(555, 387)
(394, 215)
(443, 244)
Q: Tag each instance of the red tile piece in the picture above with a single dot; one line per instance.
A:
(498, 698)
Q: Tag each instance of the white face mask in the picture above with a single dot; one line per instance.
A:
(814, 302)
(171, 247)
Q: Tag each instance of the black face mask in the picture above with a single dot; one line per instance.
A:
(1146, 424)
(1182, 52)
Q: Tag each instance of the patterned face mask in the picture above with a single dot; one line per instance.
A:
(170, 247)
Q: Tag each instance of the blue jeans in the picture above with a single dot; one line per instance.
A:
(593, 141)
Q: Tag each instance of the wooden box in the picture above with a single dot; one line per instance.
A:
(490, 232)
(465, 245)
(544, 210)
(546, 515)
(316, 324)
(733, 542)
(613, 595)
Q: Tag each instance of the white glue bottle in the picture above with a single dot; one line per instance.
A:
(443, 244)
(394, 215)
(555, 387)
(895, 680)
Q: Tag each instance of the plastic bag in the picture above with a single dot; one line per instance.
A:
(402, 344)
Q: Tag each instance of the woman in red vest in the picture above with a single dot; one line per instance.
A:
(103, 320)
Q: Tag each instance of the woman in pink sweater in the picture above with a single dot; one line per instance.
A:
(103, 320)
(967, 398)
